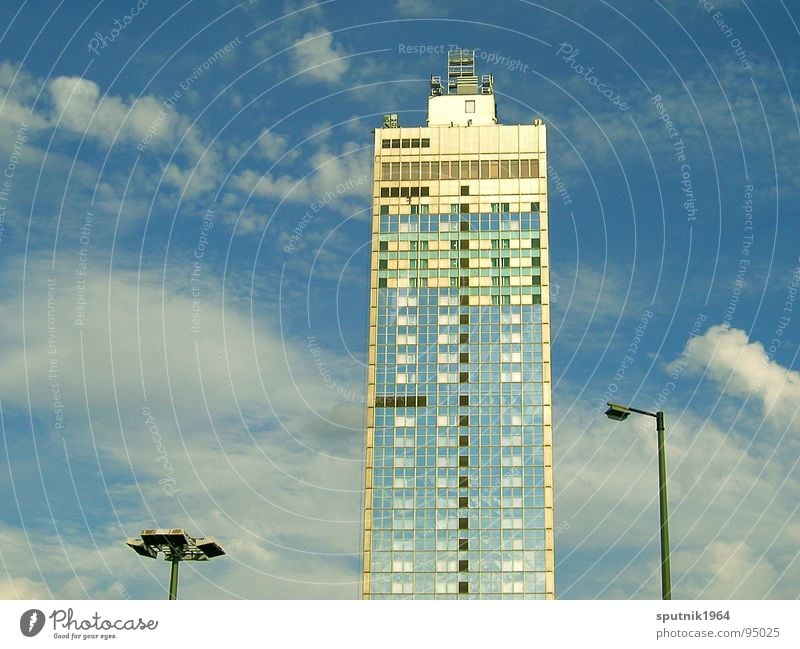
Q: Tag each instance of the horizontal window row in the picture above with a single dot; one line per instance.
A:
(406, 143)
(460, 169)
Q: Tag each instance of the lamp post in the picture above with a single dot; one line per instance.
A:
(176, 546)
(620, 413)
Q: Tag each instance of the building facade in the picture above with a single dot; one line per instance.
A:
(458, 462)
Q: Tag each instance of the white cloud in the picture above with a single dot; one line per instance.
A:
(420, 8)
(272, 145)
(261, 452)
(79, 108)
(17, 92)
(745, 368)
(338, 181)
(23, 588)
(318, 58)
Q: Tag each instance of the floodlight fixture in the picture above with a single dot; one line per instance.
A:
(617, 412)
(176, 546)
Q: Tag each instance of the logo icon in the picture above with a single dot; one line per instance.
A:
(31, 622)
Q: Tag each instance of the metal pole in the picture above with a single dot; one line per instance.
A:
(666, 578)
(173, 577)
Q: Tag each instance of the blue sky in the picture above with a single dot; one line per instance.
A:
(184, 237)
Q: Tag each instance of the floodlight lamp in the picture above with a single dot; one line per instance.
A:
(617, 412)
(209, 547)
(173, 538)
(138, 546)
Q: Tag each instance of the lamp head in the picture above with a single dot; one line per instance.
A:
(139, 547)
(617, 412)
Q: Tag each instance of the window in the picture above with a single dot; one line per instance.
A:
(463, 400)
(463, 523)
(453, 208)
(463, 461)
(381, 282)
(464, 226)
(463, 587)
(413, 245)
(384, 192)
(425, 142)
(463, 377)
(463, 440)
(415, 143)
(463, 420)
(384, 209)
(535, 207)
(395, 144)
(383, 264)
(383, 245)
(463, 483)
(464, 207)
(385, 144)
(469, 106)
(406, 144)
(465, 190)
(463, 544)
(463, 564)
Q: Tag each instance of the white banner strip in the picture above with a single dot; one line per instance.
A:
(401, 624)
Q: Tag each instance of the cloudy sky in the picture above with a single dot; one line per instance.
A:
(184, 242)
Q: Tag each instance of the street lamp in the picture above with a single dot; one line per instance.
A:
(620, 413)
(176, 546)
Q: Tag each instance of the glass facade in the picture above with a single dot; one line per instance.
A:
(458, 480)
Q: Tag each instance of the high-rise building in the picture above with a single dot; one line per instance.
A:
(458, 480)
